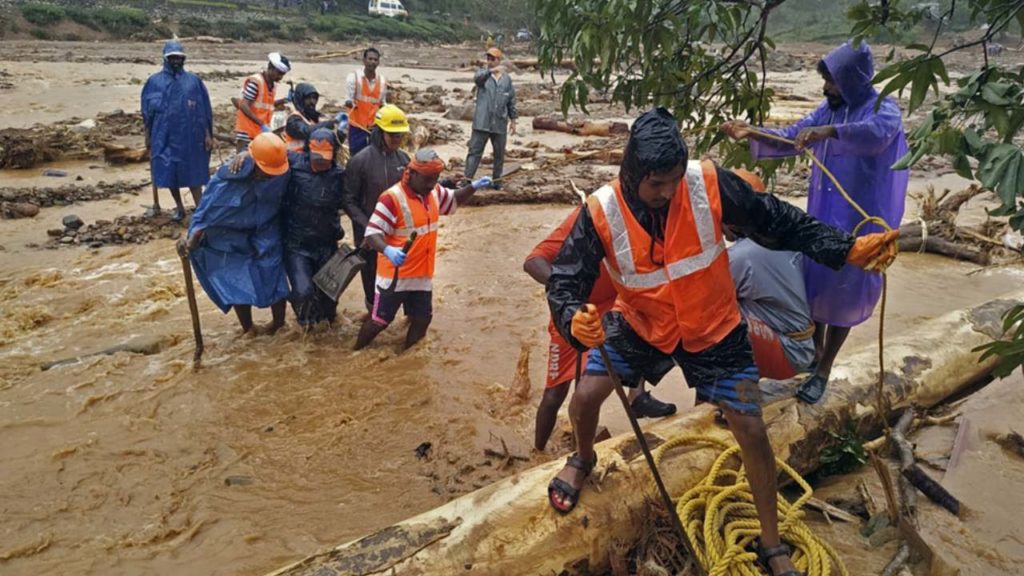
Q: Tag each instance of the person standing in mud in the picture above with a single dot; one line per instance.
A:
(658, 229)
(234, 238)
(564, 362)
(369, 173)
(405, 272)
(312, 223)
(257, 101)
(495, 115)
(178, 121)
(858, 145)
(366, 91)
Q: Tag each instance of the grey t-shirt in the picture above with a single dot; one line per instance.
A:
(770, 288)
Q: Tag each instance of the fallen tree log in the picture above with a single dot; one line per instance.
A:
(118, 154)
(912, 238)
(581, 127)
(509, 528)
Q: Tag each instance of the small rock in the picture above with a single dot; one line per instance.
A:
(84, 126)
(103, 223)
(55, 232)
(54, 173)
(67, 240)
(20, 210)
(96, 244)
(422, 450)
(237, 481)
(70, 232)
(72, 221)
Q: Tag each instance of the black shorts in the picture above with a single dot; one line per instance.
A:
(386, 304)
(723, 374)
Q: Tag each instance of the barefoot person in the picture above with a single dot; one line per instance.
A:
(658, 229)
(859, 144)
(234, 239)
(178, 123)
(563, 360)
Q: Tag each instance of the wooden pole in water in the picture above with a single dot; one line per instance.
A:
(193, 308)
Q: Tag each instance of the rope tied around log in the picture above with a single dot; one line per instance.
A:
(721, 520)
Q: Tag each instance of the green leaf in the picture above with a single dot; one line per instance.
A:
(923, 78)
(963, 167)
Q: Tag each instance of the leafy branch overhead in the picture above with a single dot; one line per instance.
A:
(706, 60)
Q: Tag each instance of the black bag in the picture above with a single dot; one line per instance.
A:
(335, 276)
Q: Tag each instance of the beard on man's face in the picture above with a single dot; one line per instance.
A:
(834, 100)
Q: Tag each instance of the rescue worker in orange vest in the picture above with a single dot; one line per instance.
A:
(256, 103)
(658, 229)
(305, 119)
(405, 279)
(366, 92)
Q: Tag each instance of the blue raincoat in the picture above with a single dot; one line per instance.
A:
(239, 259)
(177, 114)
(868, 143)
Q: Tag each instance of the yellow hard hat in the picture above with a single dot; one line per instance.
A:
(390, 118)
(270, 153)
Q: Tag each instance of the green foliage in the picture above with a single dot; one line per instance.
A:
(844, 453)
(1011, 351)
(118, 21)
(42, 14)
(704, 60)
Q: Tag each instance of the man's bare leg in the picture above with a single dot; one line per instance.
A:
(547, 413)
(756, 449)
(197, 194)
(179, 210)
(244, 314)
(835, 337)
(417, 330)
(155, 208)
(277, 313)
(584, 412)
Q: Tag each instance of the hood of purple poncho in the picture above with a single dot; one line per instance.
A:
(852, 69)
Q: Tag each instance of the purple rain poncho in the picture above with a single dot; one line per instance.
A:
(867, 144)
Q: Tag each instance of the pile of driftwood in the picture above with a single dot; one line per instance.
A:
(937, 232)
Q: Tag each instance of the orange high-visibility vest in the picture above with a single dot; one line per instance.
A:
(295, 144)
(263, 107)
(366, 102)
(682, 290)
(421, 216)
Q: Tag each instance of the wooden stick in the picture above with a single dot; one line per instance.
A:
(193, 308)
(898, 561)
(905, 452)
(869, 501)
(833, 511)
(892, 504)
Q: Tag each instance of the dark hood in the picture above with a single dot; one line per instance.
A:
(299, 98)
(852, 69)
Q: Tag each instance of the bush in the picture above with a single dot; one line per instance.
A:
(195, 26)
(42, 14)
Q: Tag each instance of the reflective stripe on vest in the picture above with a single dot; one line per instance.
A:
(366, 101)
(622, 246)
(407, 220)
(262, 107)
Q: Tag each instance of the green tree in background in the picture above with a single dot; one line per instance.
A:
(706, 60)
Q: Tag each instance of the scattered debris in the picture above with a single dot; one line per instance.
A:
(1011, 442)
(423, 450)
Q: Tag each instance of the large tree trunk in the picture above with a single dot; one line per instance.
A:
(580, 127)
(509, 528)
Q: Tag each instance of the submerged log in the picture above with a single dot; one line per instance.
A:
(509, 528)
(117, 154)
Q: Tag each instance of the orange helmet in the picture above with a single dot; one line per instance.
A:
(750, 178)
(270, 153)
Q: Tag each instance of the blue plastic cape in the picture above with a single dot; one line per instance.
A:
(239, 260)
(177, 114)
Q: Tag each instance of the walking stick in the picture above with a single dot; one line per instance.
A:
(193, 308)
(650, 459)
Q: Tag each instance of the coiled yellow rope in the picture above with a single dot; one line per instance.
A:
(720, 519)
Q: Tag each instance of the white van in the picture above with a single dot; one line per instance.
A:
(389, 8)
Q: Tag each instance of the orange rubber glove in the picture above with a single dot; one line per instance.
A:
(874, 252)
(586, 326)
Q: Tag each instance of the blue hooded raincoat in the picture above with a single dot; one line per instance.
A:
(239, 259)
(177, 114)
(867, 144)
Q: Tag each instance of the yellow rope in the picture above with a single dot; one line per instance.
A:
(721, 521)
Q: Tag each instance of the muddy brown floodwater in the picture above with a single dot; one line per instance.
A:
(279, 446)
